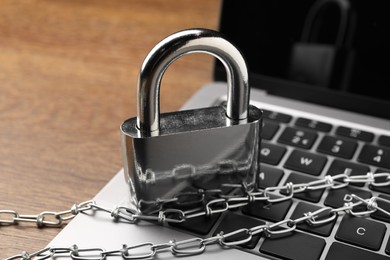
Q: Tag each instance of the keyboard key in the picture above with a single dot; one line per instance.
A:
(383, 205)
(361, 232)
(383, 189)
(198, 225)
(276, 116)
(269, 176)
(312, 196)
(384, 140)
(322, 230)
(375, 155)
(387, 250)
(271, 154)
(306, 162)
(337, 147)
(268, 211)
(269, 130)
(296, 246)
(313, 124)
(336, 198)
(339, 167)
(355, 134)
(297, 137)
(231, 222)
(338, 251)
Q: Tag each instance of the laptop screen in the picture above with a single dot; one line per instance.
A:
(329, 52)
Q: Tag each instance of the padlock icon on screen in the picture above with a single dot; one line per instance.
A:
(325, 64)
(208, 148)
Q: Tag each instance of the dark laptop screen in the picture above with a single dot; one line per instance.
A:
(330, 52)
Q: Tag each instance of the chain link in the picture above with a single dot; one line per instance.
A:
(194, 246)
(45, 218)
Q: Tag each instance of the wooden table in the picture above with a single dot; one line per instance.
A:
(68, 72)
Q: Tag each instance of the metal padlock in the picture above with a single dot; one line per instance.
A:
(212, 148)
(319, 63)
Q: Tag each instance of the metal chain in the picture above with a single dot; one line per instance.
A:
(45, 218)
(226, 203)
(194, 246)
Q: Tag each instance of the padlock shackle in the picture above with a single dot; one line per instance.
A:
(177, 45)
(344, 8)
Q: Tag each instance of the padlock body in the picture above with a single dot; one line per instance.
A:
(195, 150)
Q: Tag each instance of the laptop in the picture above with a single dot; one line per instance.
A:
(318, 70)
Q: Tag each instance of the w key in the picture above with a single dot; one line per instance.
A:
(306, 162)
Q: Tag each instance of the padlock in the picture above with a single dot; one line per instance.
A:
(171, 154)
(324, 64)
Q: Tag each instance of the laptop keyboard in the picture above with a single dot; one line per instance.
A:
(300, 150)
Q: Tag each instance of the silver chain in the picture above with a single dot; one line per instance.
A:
(196, 245)
(45, 218)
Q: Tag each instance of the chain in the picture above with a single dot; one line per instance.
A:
(196, 245)
(45, 218)
(226, 203)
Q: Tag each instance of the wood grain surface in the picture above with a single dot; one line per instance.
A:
(68, 70)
